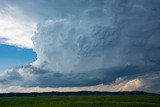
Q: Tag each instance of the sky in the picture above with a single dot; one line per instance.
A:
(11, 56)
(95, 45)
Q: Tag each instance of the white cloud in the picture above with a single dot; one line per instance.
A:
(98, 42)
(15, 27)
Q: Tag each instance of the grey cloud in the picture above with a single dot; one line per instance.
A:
(112, 80)
(84, 43)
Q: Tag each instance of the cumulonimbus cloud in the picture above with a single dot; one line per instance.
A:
(106, 40)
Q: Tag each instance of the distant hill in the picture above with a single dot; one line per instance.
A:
(76, 93)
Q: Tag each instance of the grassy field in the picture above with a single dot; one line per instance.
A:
(81, 101)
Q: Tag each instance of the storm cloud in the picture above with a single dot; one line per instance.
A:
(86, 43)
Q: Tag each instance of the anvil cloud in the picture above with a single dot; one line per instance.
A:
(86, 43)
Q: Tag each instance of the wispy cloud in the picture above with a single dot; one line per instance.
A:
(15, 27)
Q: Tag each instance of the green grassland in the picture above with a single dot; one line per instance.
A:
(81, 101)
